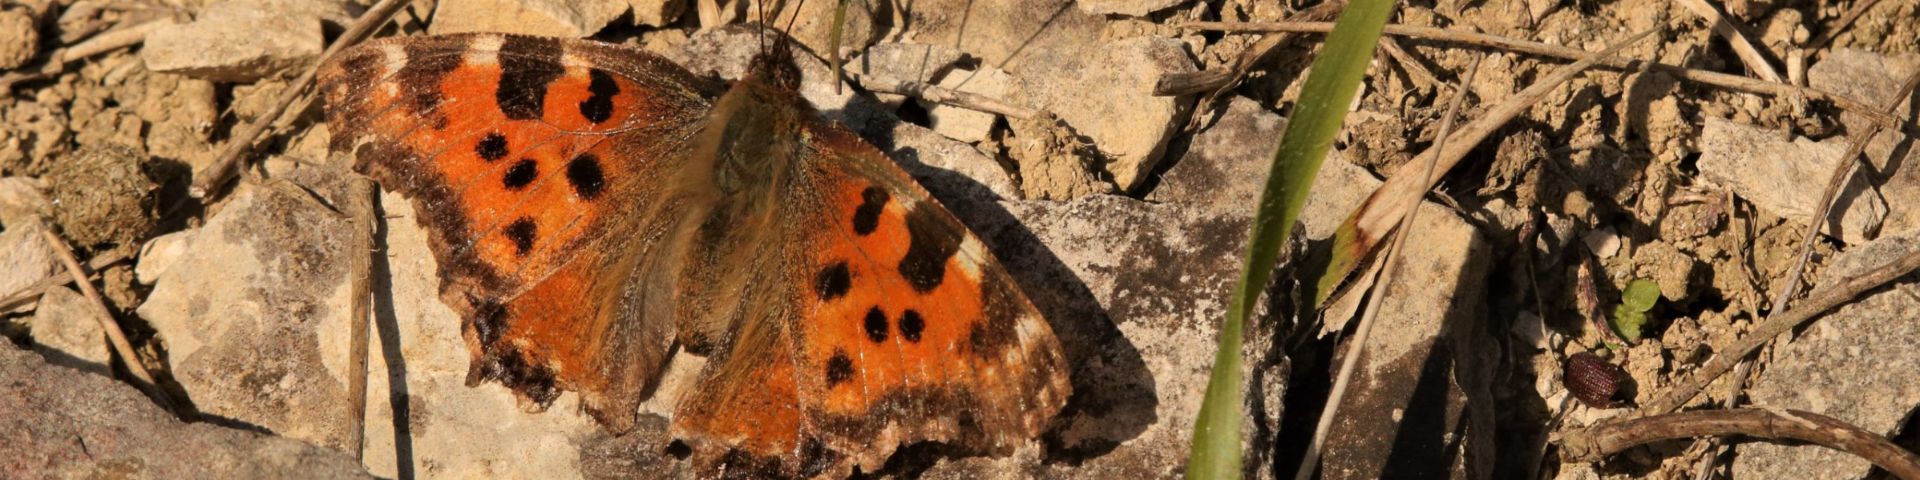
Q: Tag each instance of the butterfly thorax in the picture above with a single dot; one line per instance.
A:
(752, 134)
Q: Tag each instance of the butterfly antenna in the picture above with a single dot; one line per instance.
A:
(796, 16)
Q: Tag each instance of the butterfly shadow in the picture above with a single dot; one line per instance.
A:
(1114, 399)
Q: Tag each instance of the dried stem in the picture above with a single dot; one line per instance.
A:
(1840, 26)
(1594, 443)
(1736, 35)
(223, 167)
(115, 337)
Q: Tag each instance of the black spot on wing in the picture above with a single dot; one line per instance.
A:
(527, 66)
(867, 216)
(911, 324)
(1001, 305)
(599, 107)
(521, 174)
(521, 232)
(933, 240)
(839, 368)
(492, 147)
(833, 282)
(420, 76)
(876, 325)
(584, 173)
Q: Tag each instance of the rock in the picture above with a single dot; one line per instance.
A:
(1420, 399)
(19, 38)
(244, 311)
(1775, 175)
(64, 424)
(1226, 165)
(942, 164)
(1135, 8)
(1868, 77)
(726, 51)
(21, 200)
(656, 13)
(30, 134)
(1107, 95)
(159, 254)
(918, 62)
(25, 258)
(552, 18)
(279, 41)
(811, 23)
(1852, 364)
(103, 195)
(66, 330)
(963, 124)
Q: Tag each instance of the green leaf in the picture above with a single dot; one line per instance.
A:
(1627, 322)
(1640, 295)
(1330, 87)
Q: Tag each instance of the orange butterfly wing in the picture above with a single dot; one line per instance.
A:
(534, 162)
(896, 326)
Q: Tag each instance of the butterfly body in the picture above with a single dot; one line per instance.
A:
(592, 206)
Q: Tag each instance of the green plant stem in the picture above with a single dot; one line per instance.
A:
(1330, 87)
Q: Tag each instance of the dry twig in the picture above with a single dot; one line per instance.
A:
(1736, 36)
(1840, 26)
(102, 43)
(115, 337)
(1594, 443)
(224, 166)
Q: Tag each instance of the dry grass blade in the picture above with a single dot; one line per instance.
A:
(1361, 332)
(224, 166)
(115, 337)
(1219, 81)
(1594, 443)
(1375, 218)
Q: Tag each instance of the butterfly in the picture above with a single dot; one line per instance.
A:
(593, 207)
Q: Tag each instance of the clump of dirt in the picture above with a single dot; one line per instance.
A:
(102, 195)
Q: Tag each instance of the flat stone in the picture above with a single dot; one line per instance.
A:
(62, 423)
(552, 18)
(25, 258)
(66, 330)
(963, 124)
(21, 200)
(279, 41)
(1855, 364)
(943, 164)
(1774, 174)
(1225, 166)
(1135, 8)
(159, 254)
(1107, 95)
